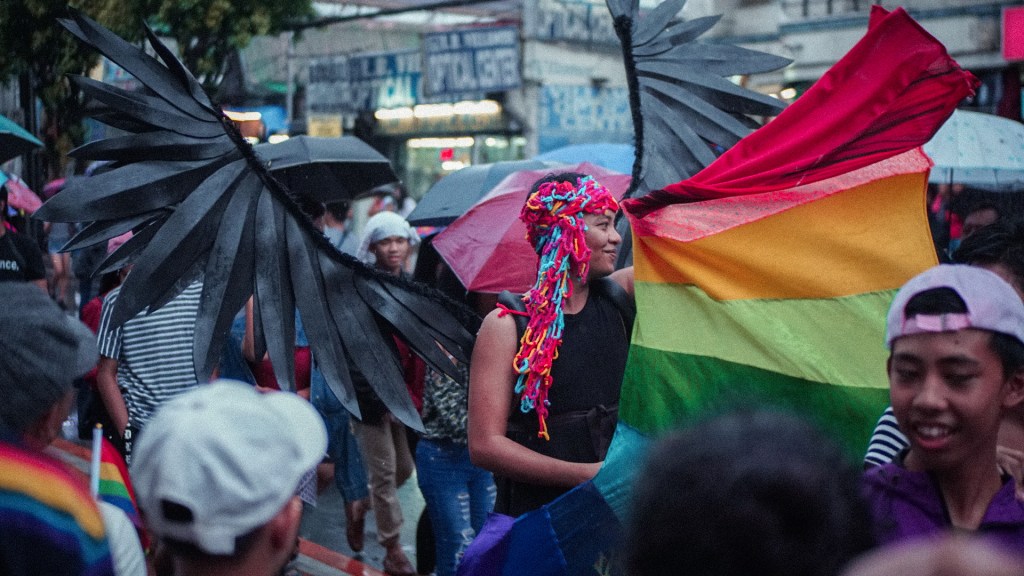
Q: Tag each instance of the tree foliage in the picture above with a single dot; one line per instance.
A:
(208, 31)
(33, 43)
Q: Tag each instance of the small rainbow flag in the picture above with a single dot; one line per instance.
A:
(46, 511)
(115, 487)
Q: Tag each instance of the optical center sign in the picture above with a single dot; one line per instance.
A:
(471, 60)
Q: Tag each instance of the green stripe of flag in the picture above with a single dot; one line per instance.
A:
(663, 390)
(828, 340)
(113, 488)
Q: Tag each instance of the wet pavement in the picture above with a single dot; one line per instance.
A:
(325, 525)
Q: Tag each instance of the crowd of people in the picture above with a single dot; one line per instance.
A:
(221, 469)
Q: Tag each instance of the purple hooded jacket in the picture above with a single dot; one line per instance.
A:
(907, 505)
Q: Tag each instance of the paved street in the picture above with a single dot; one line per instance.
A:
(325, 525)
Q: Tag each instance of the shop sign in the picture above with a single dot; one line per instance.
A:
(457, 124)
(473, 60)
(580, 114)
(569, 21)
(363, 82)
(324, 125)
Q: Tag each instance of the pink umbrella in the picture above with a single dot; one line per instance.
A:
(19, 195)
(487, 248)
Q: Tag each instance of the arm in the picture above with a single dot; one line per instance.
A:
(624, 278)
(110, 394)
(491, 382)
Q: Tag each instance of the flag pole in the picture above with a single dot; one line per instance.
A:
(94, 467)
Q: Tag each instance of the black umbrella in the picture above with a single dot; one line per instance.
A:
(452, 195)
(15, 140)
(328, 169)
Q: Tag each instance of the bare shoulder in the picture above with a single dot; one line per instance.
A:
(497, 329)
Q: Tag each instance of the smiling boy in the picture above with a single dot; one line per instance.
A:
(956, 337)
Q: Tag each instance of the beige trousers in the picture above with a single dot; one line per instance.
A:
(389, 464)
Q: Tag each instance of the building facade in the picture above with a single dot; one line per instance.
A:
(438, 96)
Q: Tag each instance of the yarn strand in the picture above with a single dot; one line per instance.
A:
(557, 231)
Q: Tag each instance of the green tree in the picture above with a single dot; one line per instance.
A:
(32, 43)
(208, 31)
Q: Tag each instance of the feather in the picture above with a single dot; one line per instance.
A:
(101, 231)
(203, 205)
(137, 147)
(680, 98)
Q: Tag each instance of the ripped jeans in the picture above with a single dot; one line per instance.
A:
(458, 495)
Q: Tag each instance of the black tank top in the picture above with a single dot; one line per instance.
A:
(584, 397)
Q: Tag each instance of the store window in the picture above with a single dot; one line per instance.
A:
(427, 160)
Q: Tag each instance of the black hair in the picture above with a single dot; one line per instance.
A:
(999, 243)
(982, 205)
(191, 551)
(339, 209)
(946, 301)
(556, 177)
(935, 301)
(750, 492)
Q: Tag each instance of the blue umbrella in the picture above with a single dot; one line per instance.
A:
(15, 140)
(617, 157)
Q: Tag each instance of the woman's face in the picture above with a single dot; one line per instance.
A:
(603, 241)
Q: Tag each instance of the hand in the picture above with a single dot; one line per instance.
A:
(1012, 462)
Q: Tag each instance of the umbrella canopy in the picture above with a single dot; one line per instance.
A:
(328, 169)
(487, 247)
(15, 140)
(452, 195)
(617, 157)
(979, 150)
(19, 195)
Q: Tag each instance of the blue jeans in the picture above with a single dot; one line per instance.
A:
(458, 495)
(349, 473)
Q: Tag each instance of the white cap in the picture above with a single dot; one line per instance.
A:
(222, 460)
(992, 304)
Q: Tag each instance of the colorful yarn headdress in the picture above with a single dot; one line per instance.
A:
(556, 229)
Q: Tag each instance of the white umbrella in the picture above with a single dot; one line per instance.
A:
(978, 150)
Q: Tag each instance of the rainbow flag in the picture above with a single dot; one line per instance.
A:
(766, 278)
(48, 515)
(776, 298)
(115, 487)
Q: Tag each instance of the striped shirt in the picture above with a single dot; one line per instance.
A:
(153, 352)
(886, 441)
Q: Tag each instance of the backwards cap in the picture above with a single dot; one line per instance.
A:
(992, 304)
(217, 462)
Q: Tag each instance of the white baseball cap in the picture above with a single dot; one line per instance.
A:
(220, 461)
(992, 304)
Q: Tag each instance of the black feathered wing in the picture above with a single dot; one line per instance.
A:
(682, 100)
(200, 202)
